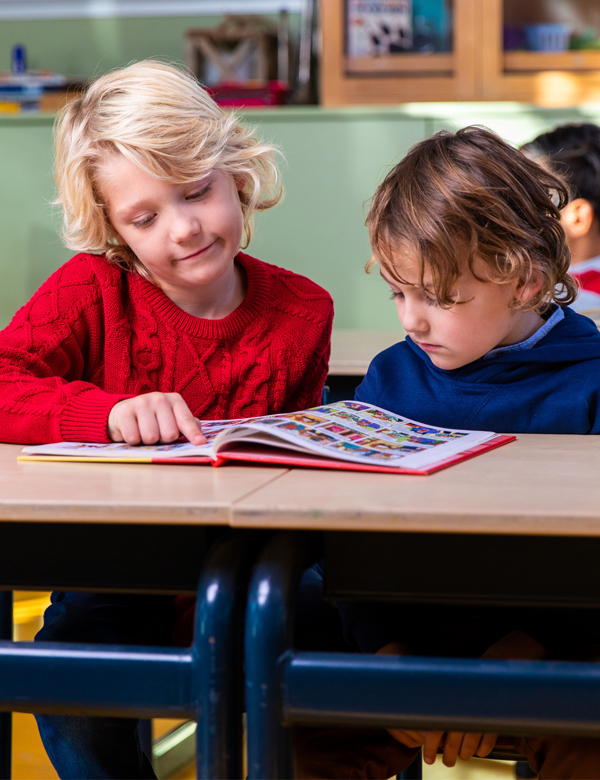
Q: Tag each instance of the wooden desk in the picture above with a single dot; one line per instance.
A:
(122, 493)
(128, 528)
(547, 485)
(353, 350)
(518, 525)
(122, 526)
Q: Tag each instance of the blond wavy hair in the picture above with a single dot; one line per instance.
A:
(161, 119)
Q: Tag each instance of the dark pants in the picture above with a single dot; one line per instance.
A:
(97, 748)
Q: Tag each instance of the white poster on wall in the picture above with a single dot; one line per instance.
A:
(379, 27)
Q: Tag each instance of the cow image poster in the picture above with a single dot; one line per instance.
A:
(377, 27)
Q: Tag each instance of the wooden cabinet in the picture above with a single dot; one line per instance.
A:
(477, 67)
(396, 78)
(545, 78)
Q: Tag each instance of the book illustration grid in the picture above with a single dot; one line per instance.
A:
(351, 428)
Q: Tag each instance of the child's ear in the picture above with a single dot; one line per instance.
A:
(577, 218)
(526, 290)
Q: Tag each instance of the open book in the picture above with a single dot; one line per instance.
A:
(344, 435)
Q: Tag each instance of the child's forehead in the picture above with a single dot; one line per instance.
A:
(405, 268)
(114, 165)
(402, 263)
(405, 273)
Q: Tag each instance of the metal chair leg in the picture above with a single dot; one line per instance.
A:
(217, 653)
(6, 632)
(269, 627)
(145, 736)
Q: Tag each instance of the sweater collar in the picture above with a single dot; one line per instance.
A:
(556, 314)
(256, 299)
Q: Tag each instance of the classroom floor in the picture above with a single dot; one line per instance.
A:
(31, 763)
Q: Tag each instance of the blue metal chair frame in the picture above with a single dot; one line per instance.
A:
(203, 682)
(6, 633)
(269, 628)
(285, 687)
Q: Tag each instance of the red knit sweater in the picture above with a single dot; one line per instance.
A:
(94, 334)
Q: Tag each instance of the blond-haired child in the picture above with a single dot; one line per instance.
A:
(466, 233)
(159, 321)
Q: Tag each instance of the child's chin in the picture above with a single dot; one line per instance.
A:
(447, 363)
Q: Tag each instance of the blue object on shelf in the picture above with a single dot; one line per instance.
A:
(547, 37)
(18, 60)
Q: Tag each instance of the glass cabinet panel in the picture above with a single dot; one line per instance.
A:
(392, 37)
(549, 35)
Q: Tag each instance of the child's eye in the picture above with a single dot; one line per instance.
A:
(200, 194)
(395, 296)
(144, 222)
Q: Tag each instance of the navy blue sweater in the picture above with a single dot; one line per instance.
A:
(553, 387)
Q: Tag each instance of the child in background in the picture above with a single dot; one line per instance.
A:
(159, 322)
(467, 237)
(573, 151)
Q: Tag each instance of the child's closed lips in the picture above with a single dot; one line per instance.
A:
(426, 347)
(194, 254)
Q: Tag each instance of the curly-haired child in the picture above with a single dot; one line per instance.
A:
(466, 232)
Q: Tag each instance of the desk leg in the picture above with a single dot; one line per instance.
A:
(218, 657)
(145, 736)
(6, 632)
(269, 633)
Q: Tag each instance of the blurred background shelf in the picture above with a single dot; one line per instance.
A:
(551, 60)
(476, 67)
(439, 62)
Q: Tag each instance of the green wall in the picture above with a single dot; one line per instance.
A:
(335, 158)
(81, 48)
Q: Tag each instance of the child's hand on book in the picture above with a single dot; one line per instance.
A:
(152, 418)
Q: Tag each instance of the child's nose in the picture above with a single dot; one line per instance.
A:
(184, 227)
(413, 318)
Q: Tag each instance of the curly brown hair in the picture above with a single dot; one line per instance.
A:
(471, 192)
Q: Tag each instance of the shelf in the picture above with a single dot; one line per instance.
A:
(520, 61)
(393, 64)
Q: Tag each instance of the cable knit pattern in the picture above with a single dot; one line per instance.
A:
(94, 334)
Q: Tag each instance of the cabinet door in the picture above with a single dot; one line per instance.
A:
(539, 51)
(438, 67)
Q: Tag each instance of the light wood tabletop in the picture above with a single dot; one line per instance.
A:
(353, 350)
(123, 492)
(539, 484)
